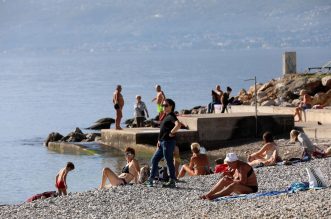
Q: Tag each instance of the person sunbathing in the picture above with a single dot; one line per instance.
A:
(309, 149)
(267, 155)
(129, 172)
(240, 179)
(199, 164)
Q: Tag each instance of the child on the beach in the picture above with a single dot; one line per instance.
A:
(61, 178)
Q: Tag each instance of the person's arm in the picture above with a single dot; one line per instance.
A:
(115, 98)
(56, 178)
(175, 129)
(145, 109)
(65, 178)
(272, 160)
(137, 168)
(261, 151)
(191, 164)
(242, 176)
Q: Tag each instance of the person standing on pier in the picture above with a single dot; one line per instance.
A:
(118, 101)
(160, 97)
(166, 144)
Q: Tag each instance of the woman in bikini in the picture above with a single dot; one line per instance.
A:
(267, 155)
(199, 164)
(240, 179)
(129, 173)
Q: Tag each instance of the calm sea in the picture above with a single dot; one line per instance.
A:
(45, 93)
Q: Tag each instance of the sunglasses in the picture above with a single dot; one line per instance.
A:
(165, 105)
(128, 154)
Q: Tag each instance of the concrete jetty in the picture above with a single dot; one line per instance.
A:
(210, 130)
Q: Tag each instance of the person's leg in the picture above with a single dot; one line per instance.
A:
(222, 183)
(118, 119)
(155, 162)
(210, 106)
(298, 113)
(59, 191)
(233, 187)
(185, 168)
(111, 176)
(119, 116)
(64, 191)
(168, 151)
(224, 107)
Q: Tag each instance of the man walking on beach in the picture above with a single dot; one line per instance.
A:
(160, 97)
(118, 101)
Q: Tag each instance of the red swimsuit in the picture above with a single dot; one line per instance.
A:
(60, 185)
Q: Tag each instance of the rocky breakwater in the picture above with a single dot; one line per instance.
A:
(285, 91)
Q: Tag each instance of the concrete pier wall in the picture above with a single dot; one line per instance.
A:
(210, 130)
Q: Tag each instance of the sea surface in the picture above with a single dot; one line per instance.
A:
(51, 92)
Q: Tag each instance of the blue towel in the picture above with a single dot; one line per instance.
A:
(252, 195)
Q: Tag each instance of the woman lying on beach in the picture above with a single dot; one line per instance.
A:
(240, 179)
(267, 155)
(199, 164)
(129, 172)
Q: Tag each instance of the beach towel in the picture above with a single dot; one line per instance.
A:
(294, 187)
(252, 195)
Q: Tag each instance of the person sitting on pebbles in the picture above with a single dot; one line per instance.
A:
(267, 155)
(129, 172)
(199, 164)
(309, 149)
(240, 179)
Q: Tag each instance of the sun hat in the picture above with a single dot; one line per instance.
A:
(293, 136)
(230, 157)
(203, 150)
(195, 145)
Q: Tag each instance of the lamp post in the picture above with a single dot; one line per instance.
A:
(254, 79)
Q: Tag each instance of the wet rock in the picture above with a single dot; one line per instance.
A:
(53, 137)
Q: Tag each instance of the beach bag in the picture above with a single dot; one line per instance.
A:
(163, 174)
(316, 178)
(144, 174)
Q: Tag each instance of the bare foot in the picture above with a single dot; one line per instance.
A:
(119, 128)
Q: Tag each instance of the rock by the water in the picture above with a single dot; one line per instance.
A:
(103, 123)
(53, 137)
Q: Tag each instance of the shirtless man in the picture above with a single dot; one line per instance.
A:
(61, 178)
(240, 179)
(118, 105)
(160, 97)
(303, 105)
(199, 164)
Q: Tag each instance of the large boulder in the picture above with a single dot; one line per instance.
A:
(326, 82)
(268, 103)
(267, 85)
(103, 123)
(53, 137)
(76, 136)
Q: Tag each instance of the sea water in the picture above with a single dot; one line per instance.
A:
(52, 92)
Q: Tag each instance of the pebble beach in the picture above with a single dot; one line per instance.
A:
(139, 201)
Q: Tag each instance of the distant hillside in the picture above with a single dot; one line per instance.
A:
(102, 25)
